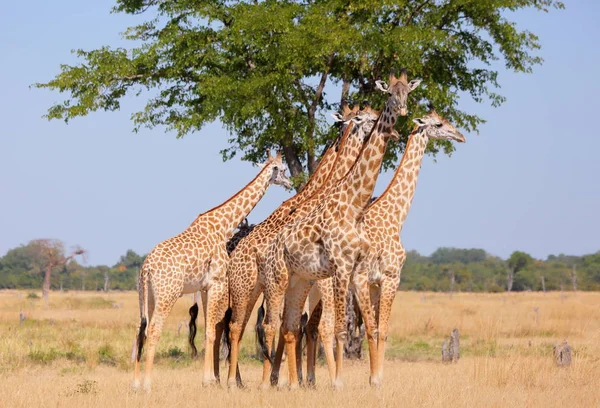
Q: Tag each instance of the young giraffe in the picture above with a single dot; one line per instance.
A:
(377, 275)
(248, 257)
(195, 260)
(327, 242)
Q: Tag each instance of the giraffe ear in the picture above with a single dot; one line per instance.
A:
(268, 154)
(419, 121)
(278, 155)
(412, 85)
(382, 86)
(337, 117)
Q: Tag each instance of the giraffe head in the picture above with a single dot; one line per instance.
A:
(434, 126)
(366, 118)
(344, 117)
(277, 168)
(398, 88)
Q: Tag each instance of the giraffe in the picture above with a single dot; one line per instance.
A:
(248, 257)
(377, 275)
(327, 242)
(196, 260)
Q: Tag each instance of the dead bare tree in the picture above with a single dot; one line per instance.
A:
(450, 272)
(510, 278)
(50, 253)
(574, 278)
(544, 284)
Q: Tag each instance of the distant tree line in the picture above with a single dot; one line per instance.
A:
(445, 270)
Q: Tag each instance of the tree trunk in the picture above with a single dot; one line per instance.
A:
(543, 284)
(46, 285)
(509, 280)
(106, 281)
(574, 278)
(293, 161)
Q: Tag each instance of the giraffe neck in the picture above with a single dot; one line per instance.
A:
(357, 186)
(228, 215)
(321, 173)
(281, 215)
(396, 200)
(349, 150)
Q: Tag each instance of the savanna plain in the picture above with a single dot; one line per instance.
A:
(76, 352)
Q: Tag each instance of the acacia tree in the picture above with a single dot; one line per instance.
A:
(264, 68)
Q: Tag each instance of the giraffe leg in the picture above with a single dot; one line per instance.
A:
(341, 277)
(388, 293)
(141, 337)
(163, 305)
(274, 296)
(294, 304)
(278, 358)
(363, 295)
(326, 325)
(312, 332)
(241, 310)
(215, 312)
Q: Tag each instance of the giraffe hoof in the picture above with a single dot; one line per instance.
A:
(265, 386)
(147, 387)
(375, 382)
(338, 385)
(294, 386)
(135, 386)
(210, 382)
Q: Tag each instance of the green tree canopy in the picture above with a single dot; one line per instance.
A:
(262, 67)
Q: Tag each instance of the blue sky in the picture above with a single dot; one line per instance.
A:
(528, 181)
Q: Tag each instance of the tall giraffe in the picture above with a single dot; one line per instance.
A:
(196, 260)
(327, 242)
(248, 257)
(364, 120)
(378, 274)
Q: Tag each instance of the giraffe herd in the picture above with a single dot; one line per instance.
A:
(326, 240)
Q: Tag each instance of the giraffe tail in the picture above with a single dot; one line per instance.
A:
(143, 290)
(260, 332)
(193, 329)
(226, 339)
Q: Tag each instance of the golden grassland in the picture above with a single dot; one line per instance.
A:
(76, 353)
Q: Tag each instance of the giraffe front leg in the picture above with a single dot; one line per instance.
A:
(277, 360)
(340, 289)
(363, 295)
(386, 299)
(327, 324)
(215, 312)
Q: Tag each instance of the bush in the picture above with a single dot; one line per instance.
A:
(106, 355)
(32, 295)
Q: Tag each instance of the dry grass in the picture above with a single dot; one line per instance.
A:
(76, 353)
